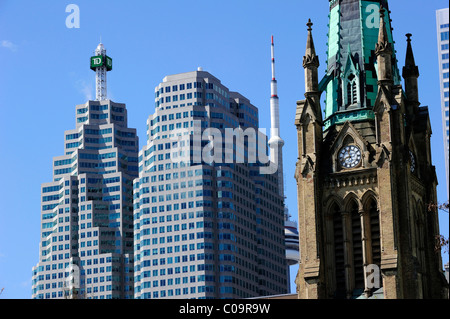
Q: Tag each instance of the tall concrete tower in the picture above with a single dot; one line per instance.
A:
(276, 143)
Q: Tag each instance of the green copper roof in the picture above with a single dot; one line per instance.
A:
(351, 78)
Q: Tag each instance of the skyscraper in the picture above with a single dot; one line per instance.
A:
(207, 222)
(86, 248)
(443, 51)
(364, 174)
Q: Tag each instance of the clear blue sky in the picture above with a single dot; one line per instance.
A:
(44, 73)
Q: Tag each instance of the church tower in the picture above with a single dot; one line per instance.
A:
(364, 174)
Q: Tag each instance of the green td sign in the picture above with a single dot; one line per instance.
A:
(108, 63)
(99, 61)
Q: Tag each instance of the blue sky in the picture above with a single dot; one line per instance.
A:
(44, 73)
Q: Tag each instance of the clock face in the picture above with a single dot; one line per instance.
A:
(413, 162)
(350, 156)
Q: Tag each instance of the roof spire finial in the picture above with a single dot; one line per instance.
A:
(383, 51)
(410, 74)
(410, 69)
(309, 24)
(310, 58)
(408, 37)
(409, 62)
(383, 45)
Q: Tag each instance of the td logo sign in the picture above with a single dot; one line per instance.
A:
(96, 61)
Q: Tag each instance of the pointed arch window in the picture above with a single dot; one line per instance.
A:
(357, 252)
(339, 254)
(354, 98)
(375, 232)
(356, 244)
(352, 90)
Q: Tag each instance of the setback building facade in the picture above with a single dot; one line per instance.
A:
(444, 62)
(86, 247)
(207, 222)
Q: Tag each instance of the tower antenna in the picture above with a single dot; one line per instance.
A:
(100, 63)
(276, 142)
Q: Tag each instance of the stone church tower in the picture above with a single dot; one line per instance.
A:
(364, 172)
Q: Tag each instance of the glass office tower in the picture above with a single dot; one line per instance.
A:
(443, 51)
(86, 248)
(208, 223)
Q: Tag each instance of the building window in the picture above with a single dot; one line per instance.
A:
(345, 229)
(357, 246)
(444, 36)
(352, 90)
(339, 259)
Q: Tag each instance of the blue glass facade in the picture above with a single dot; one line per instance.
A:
(205, 229)
(87, 212)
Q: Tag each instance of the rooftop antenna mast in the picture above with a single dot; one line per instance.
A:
(101, 64)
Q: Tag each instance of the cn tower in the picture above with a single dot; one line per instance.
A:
(276, 144)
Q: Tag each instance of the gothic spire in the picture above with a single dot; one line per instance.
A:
(383, 45)
(410, 69)
(383, 51)
(311, 64)
(310, 58)
(410, 74)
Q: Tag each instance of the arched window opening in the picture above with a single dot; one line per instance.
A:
(349, 93)
(352, 90)
(348, 140)
(422, 267)
(358, 264)
(354, 96)
(375, 232)
(338, 252)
